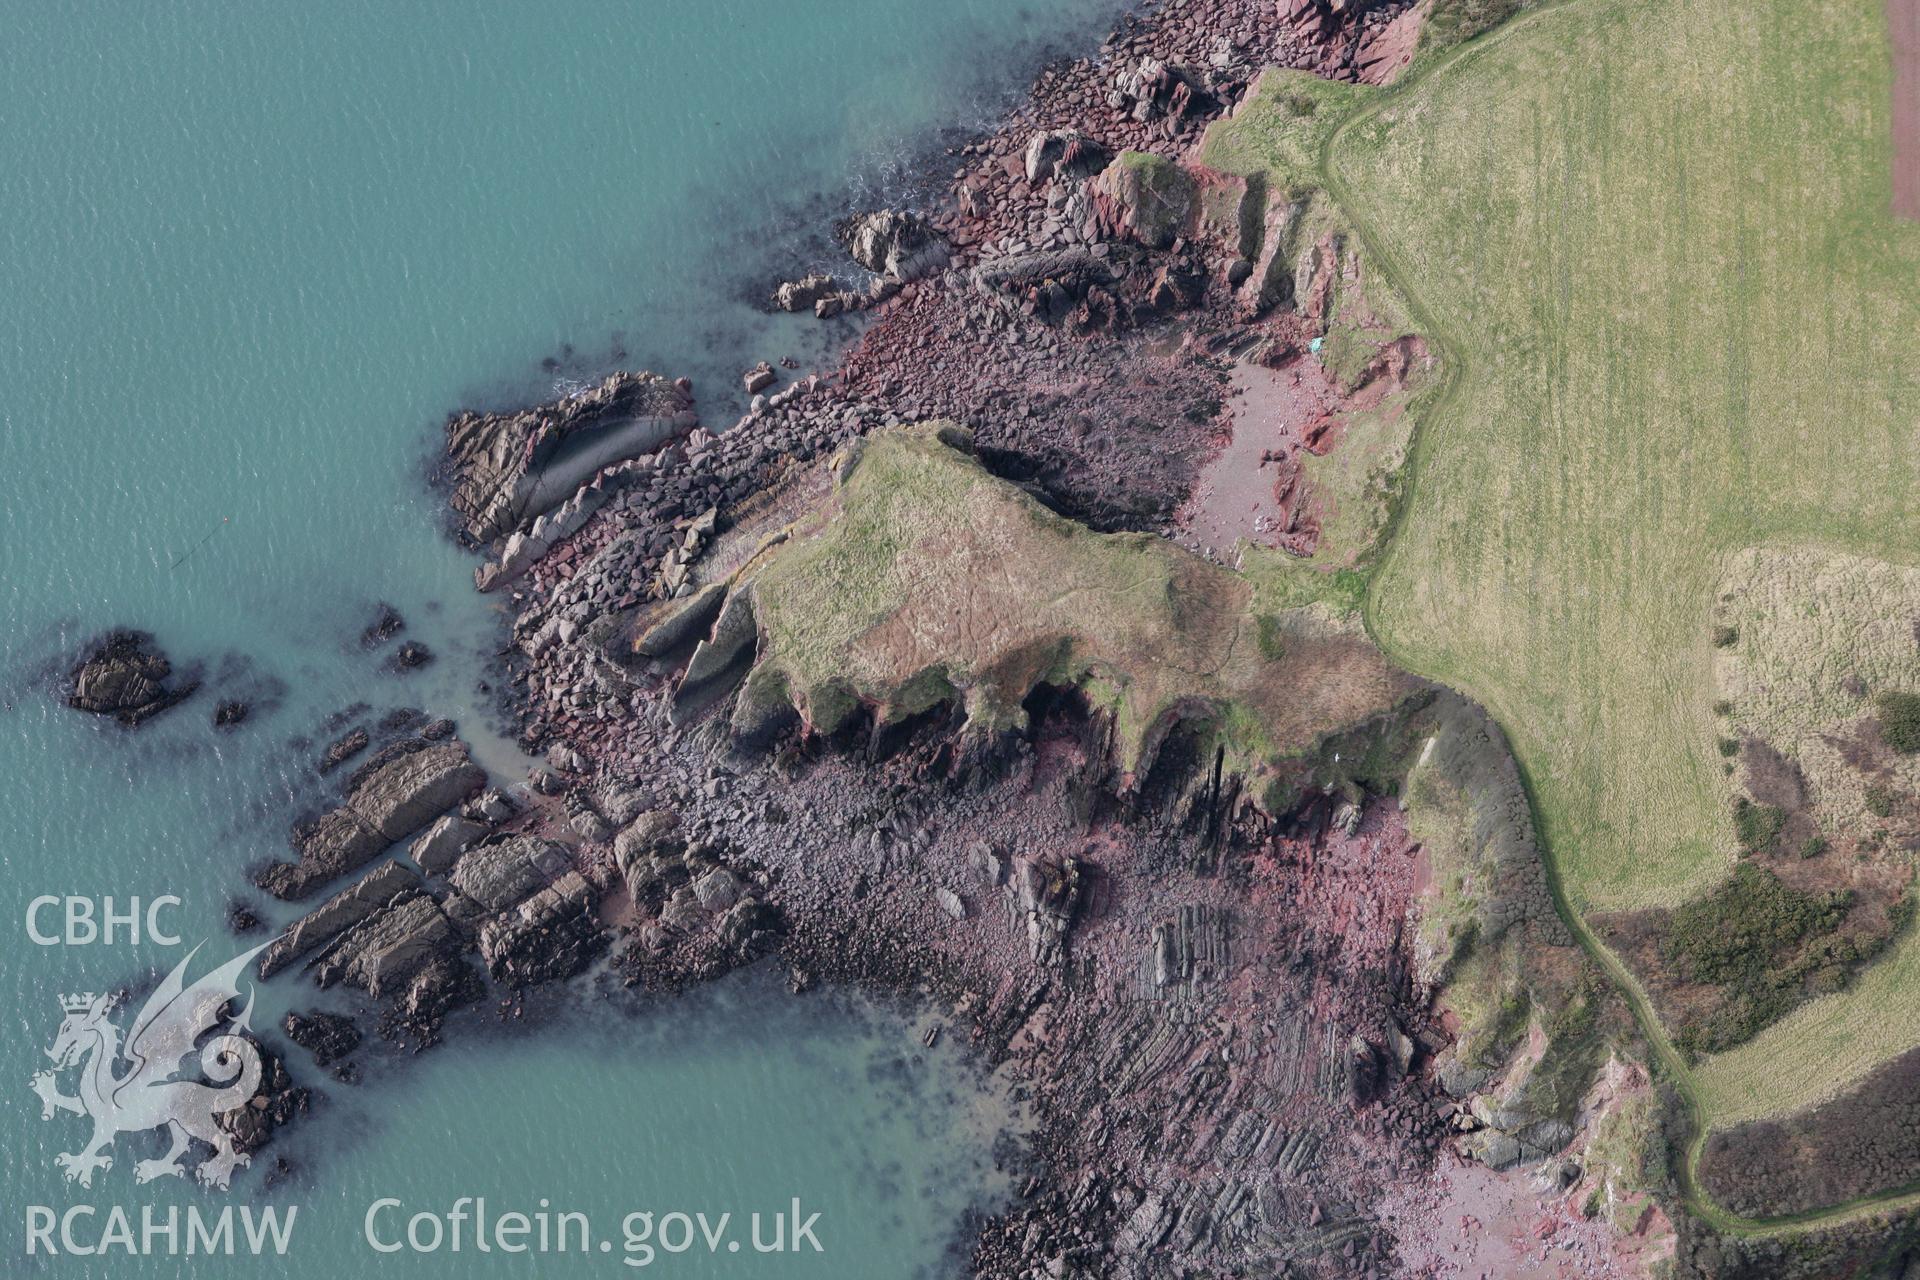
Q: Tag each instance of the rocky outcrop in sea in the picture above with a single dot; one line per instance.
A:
(126, 676)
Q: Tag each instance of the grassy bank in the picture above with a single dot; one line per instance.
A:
(1653, 243)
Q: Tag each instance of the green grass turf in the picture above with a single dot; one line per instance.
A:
(1653, 243)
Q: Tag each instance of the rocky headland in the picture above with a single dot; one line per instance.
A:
(997, 667)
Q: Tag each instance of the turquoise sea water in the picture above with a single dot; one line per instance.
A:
(250, 257)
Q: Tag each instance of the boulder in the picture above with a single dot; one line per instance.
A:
(717, 890)
(1493, 1148)
(127, 678)
(1074, 267)
(650, 833)
(1063, 153)
(491, 806)
(619, 801)
(589, 826)
(1045, 891)
(896, 244)
(1145, 197)
(803, 295)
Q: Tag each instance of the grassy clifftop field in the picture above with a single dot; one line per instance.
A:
(1655, 241)
(1653, 244)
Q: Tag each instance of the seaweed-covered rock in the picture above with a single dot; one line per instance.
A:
(343, 748)
(327, 1036)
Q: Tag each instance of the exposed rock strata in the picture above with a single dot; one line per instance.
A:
(386, 802)
(510, 467)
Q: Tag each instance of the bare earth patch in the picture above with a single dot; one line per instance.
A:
(1252, 489)
(1903, 24)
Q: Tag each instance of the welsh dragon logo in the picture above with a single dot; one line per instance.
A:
(145, 1093)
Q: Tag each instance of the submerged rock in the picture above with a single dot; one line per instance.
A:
(327, 1036)
(386, 624)
(411, 656)
(127, 678)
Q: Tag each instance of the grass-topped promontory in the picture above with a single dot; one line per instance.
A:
(925, 579)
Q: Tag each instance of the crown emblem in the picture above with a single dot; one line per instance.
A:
(77, 1004)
